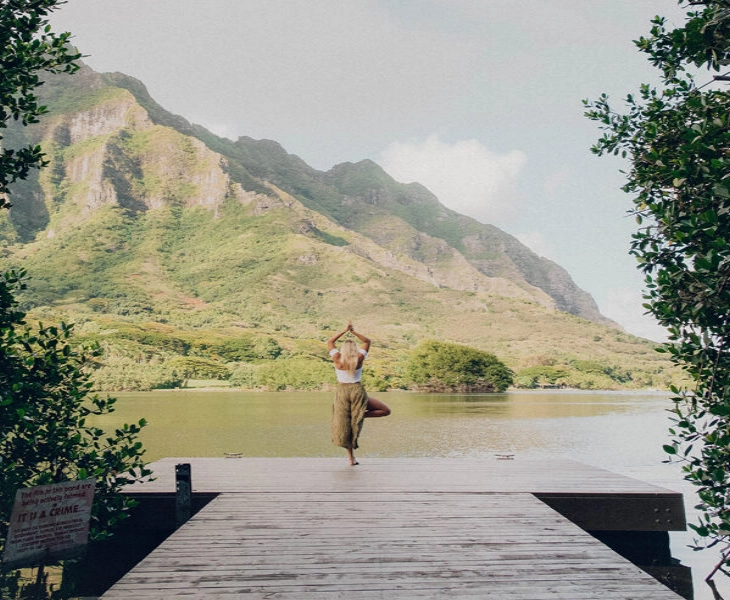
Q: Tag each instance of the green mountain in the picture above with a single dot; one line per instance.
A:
(177, 249)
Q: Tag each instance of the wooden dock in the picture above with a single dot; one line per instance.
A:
(401, 528)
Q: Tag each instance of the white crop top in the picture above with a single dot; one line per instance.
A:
(346, 376)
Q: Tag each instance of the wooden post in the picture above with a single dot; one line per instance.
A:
(183, 493)
(40, 583)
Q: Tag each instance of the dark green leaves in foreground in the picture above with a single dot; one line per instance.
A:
(45, 405)
(677, 140)
(28, 49)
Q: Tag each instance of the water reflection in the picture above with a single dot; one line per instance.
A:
(297, 423)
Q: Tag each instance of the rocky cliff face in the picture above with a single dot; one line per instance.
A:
(111, 147)
(493, 253)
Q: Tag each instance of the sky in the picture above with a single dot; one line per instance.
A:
(478, 100)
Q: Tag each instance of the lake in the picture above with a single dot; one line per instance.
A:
(619, 431)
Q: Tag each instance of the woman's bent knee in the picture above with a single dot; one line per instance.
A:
(376, 408)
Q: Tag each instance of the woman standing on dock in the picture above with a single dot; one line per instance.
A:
(352, 404)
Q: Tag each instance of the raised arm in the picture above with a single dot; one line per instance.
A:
(364, 339)
(337, 336)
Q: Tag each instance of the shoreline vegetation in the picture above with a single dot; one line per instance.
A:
(140, 354)
(313, 373)
(275, 365)
(299, 373)
(271, 365)
(331, 388)
(150, 356)
(141, 384)
(388, 373)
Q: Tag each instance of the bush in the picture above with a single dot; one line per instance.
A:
(126, 374)
(244, 376)
(191, 367)
(46, 399)
(299, 373)
(442, 366)
(533, 377)
(243, 349)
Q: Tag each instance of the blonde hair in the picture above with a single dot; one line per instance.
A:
(349, 356)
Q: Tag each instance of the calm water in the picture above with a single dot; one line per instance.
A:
(622, 432)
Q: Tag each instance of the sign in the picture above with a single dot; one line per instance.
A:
(49, 522)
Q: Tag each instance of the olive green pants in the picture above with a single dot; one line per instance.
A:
(348, 414)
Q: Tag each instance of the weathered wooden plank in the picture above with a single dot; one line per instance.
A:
(480, 589)
(489, 560)
(510, 592)
(395, 475)
(595, 499)
(404, 545)
(338, 573)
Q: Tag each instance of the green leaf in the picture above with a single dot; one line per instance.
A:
(721, 410)
(720, 190)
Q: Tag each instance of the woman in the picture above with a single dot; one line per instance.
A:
(352, 404)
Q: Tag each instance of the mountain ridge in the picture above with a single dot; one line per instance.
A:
(143, 222)
(266, 159)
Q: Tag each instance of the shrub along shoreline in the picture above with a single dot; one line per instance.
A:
(436, 367)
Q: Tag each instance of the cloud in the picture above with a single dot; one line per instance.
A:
(465, 175)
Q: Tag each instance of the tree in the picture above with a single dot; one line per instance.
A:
(532, 377)
(28, 48)
(189, 367)
(676, 137)
(45, 403)
(45, 393)
(442, 366)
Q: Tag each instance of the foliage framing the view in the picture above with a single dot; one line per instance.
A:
(45, 403)
(29, 48)
(677, 139)
(45, 392)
